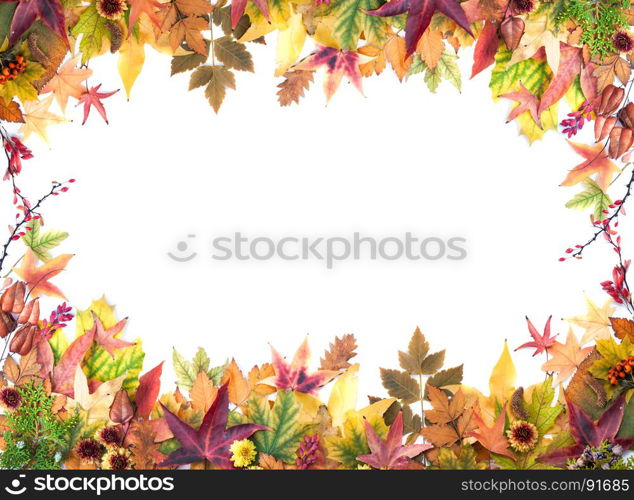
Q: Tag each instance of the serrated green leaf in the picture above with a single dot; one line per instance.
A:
(592, 196)
(447, 459)
(351, 20)
(184, 370)
(283, 439)
(201, 361)
(432, 79)
(353, 442)
(448, 68)
(91, 27)
(41, 244)
(540, 412)
(99, 365)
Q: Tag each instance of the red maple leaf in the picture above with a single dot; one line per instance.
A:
(587, 432)
(419, 14)
(390, 454)
(106, 337)
(27, 12)
(294, 376)
(338, 63)
(238, 6)
(540, 342)
(212, 440)
(92, 98)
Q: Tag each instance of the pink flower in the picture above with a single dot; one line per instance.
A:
(577, 119)
(617, 288)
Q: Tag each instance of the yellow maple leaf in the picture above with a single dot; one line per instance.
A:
(67, 82)
(596, 321)
(540, 33)
(97, 404)
(37, 118)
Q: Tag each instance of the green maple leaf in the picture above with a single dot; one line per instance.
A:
(92, 28)
(283, 439)
(540, 412)
(187, 371)
(352, 20)
(42, 243)
(591, 196)
(352, 442)
(447, 459)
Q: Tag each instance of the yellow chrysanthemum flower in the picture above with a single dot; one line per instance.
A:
(243, 453)
(117, 459)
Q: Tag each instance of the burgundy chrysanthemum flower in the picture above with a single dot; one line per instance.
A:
(522, 436)
(10, 398)
(117, 459)
(522, 6)
(111, 9)
(110, 436)
(89, 449)
(622, 41)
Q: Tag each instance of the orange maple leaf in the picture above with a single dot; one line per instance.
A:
(596, 162)
(148, 7)
(37, 278)
(492, 438)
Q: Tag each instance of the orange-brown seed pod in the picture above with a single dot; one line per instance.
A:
(626, 115)
(7, 324)
(512, 29)
(611, 99)
(603, 126)
(30, 313)
(12, 300)
(23, 339)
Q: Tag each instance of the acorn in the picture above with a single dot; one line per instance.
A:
(621, 139)
(603, 126)
(23, 339)
(7, 324)
(611, 99)
(12, 300)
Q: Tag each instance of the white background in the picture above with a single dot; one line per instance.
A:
(400, 159)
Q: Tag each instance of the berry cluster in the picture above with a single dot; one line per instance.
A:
(621, 370)
(12, 69)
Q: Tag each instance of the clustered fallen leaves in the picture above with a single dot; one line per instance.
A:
(83, 400)
(282, 414)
